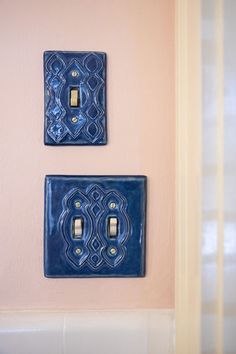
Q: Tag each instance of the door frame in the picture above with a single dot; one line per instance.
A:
(188, 176)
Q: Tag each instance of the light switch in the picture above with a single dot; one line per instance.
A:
(77, 227)
(75, 98)
(113, 227)
(95, 226)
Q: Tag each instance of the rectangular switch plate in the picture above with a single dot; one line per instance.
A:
(75, 98)
(79, 210)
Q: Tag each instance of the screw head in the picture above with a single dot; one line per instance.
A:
(78, 251)
(112, 205)
(74, 119)
(113, 251)
(74, 73)
(77, 204)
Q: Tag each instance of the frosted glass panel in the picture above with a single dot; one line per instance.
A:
(230, 176)
(219, 177)
(209, 181)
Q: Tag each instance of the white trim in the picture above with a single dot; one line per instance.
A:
(188, 176)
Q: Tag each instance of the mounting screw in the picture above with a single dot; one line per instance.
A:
(77, 204)
(74, 119)
(74, 73)
(78, 251)
(112, 205)
(113, 251)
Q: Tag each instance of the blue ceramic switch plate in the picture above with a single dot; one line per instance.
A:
(94, 226)
(75, 98)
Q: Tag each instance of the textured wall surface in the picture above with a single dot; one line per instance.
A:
(138, 36)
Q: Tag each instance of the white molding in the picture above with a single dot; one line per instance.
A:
(188, 176)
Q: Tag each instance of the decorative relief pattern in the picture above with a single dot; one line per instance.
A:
(83, 125)
(95, 244)
(94, 226)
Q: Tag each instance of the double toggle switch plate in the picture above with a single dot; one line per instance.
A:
(95, 226)
(75, 98)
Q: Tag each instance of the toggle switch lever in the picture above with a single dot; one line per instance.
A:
(112, 227)
(74, 97)
(77, 228)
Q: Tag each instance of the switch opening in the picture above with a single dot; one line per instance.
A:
(74, 97)
(77, 228)
(112, 227)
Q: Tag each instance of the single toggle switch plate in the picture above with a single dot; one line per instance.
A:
(94, 226)
(75, 98)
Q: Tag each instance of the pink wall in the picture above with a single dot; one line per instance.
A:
(138, 36)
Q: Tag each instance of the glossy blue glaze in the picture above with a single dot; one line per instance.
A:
(95, 195)
(90, 125)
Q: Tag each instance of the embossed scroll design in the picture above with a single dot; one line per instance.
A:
(95, 243)
(91, 120)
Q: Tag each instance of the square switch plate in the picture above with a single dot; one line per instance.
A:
(75, 98)
(81, 238)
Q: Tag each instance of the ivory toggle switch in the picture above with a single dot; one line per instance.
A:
(78, 228)
(74, 97)
(113, 227)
